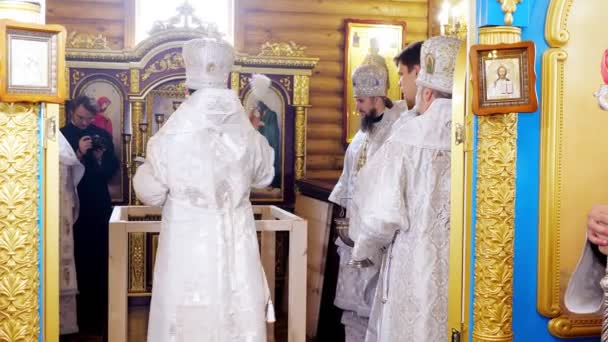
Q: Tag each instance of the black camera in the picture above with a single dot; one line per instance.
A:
(97, 142)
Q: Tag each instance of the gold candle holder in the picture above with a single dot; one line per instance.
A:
(143, 128)
(160, 120)
(128, 164)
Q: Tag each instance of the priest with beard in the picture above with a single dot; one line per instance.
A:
(356, 283)
(401, 207)
(93, 147)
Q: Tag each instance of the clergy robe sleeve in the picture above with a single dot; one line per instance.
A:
(380, 202)
(584, 294)
(150, 183)
(263, 161)
(340, 194)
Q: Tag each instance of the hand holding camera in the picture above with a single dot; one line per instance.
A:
(84, 145)
(94, 143)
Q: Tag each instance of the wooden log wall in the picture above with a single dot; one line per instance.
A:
(319, 25)
(111, 18)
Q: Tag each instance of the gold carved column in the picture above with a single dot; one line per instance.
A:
(495, 216)
(19, 276)
(137, 262)
(301, 103)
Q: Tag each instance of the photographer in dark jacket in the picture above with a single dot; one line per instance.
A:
(94, 148)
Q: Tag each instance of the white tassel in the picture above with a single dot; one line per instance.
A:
(260, 86)
(270, 317)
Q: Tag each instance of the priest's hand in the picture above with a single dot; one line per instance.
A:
(84, 145)
(597, 225)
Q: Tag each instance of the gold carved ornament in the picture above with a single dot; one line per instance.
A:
(549, 301)
(137, 264)
(170, 61)
(19, 277)
(495, 215)
(300, 100)
(494, 231)
(290, 49)
(123, 77)
(509, 7)
(77, 40)
(77, 76)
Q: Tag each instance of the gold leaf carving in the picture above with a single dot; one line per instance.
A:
(286, 82)
(290, 49)
(92, 41)
(494, 231)
(234, 82)
(19, 278)
(77, 76)
(170, 61)
(300, 90)
(123, 77)
(137, 266)
(134, 86)
(300, 148)
(508, 8)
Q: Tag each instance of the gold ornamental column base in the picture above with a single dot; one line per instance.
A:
(495, 216)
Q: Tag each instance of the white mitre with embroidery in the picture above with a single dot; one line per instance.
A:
(369, 80)
(208, 63)
(437, 63)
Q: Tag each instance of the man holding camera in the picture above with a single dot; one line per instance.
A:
(94, 149)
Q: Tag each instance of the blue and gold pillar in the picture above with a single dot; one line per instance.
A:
(495, 194)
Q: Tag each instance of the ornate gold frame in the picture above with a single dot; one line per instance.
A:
(549, 302)
(56, 40)
(460, 204)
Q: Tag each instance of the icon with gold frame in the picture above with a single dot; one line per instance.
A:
(369, 41)
(34, 65)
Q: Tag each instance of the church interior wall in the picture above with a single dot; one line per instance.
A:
(106, 17)
(317, 25)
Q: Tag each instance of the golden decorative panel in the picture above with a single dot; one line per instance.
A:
(234, 81)
(494, 230)
(77, 76)
(286, 82)
(77, 40)
(170, 61)
(290, 49)
(301, 90)
(571, 137)
(495, 215)
(300, 142)
(137, 262)
(19, 277)
(134, 86)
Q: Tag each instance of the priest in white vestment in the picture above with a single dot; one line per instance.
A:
(357, 285)
(209, 284)
(70, 174)
(584, 294)
(402, 205)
